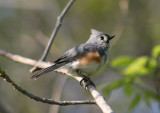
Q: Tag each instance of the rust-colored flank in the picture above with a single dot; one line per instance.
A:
(90, 57)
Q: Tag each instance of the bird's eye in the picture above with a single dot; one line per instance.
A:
(102, 38)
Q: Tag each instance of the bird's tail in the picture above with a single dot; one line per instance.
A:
(48, 69)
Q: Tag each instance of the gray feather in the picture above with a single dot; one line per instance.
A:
(48, 69)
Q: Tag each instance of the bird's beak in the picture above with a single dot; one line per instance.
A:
(110, 37)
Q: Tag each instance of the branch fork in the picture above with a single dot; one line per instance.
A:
(98, 98)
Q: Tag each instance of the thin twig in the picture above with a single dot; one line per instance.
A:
(58, 25)
(44, 100)
(54, 33)
(99, 99)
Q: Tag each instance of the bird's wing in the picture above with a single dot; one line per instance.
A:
(71, 54)
(77, 52)
(67, 57)
(49, 69)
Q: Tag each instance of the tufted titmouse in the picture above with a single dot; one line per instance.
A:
(82, 60)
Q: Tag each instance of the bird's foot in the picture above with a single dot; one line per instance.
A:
(86, 82)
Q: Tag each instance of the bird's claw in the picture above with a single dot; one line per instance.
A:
(86, 82)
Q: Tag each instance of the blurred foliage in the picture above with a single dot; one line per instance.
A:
(156, 52)
(132, 70)
(135, 101)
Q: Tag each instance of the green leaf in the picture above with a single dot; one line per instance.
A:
(135, 102)
(129, 89)
(138, 67)
(152, 95)
(114, 85)
(156, 52)
(152, 64)
(122, 61)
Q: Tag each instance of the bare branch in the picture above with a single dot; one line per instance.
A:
(54, 33)
(99, 99)
(20, 59)
(44, 100)
(58, 25)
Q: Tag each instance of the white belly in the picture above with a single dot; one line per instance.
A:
(88, 69)
(70, 68)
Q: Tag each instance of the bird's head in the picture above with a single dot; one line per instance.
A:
(100, 39)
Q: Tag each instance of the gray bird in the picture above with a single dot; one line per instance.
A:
(82, 60)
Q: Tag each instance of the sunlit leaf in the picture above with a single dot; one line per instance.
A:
(122, 61)
(156, 51)
(135, 102)
(152, 64)
(137, 67)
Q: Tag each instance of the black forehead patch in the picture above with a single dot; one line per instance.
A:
(106, 35)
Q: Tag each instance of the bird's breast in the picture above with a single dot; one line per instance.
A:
(87, 64)
(89, 58)
(90, 62)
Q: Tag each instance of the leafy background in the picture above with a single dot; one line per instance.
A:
(131, 80)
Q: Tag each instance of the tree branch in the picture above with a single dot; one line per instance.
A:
(24, 60)
(44, 100)
(54, 33)
(99, 99)
(58, 25)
